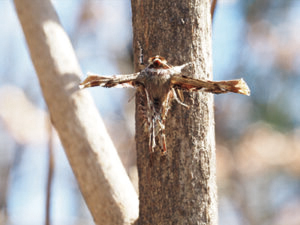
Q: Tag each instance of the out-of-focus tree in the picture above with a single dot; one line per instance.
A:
(99, 172)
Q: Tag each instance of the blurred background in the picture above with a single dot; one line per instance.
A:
(258, 137)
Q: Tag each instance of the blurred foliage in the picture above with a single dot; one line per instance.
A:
(270, 56)
(258, 147)
(259, 167)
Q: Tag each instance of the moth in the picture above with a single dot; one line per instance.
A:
(160, 84)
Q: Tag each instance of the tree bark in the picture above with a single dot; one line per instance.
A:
(101, 176)
(179, 188)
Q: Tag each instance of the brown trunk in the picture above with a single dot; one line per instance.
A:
(179, 188)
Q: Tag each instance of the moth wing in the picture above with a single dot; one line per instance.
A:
(118, 81)
(216, 87)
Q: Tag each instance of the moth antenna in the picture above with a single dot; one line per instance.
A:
(131, 97)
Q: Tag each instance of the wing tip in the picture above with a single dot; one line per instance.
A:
(243, 88)
(81, 86)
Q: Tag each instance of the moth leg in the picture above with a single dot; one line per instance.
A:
(150, 141)
(151, 122)
(177, 99)
(153, 143)
(163, 143)
(166, 107)
(162, 121)
(163, 138)
(179, 94)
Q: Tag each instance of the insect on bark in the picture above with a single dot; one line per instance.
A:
(160, 84)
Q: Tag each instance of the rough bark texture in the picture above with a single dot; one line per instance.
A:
(103, 181)
(179, 188)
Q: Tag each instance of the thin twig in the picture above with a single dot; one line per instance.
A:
(213, 8)
(50, 173)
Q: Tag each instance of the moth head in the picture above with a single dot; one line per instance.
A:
(158, 62)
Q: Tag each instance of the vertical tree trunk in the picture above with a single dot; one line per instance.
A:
(179, 188)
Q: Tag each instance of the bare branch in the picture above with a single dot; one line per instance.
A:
(102, 178)
(50, 172)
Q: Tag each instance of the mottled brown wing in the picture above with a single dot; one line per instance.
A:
(216, 87)
(119, 81)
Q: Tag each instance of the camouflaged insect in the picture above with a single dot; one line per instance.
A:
(161, 83)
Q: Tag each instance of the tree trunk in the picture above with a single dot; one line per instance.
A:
(100, 174)
(179, 188)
